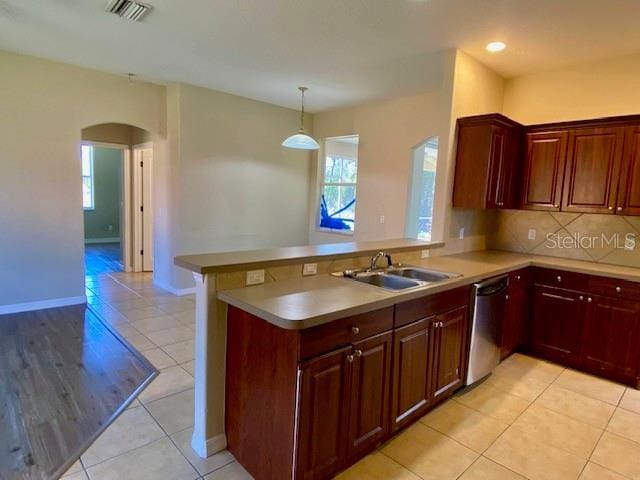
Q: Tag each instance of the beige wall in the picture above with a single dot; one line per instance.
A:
(236, 186)
(586, 91)
(476, 90)
(389, 131)
(44, 107)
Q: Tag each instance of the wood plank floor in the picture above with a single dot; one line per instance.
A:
(64, 377)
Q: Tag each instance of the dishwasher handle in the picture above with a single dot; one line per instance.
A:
(491, 287)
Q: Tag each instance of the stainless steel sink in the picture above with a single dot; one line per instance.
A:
(380, 279)
(421, 274)
(397, 277)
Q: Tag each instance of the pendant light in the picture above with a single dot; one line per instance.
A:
(301, 140)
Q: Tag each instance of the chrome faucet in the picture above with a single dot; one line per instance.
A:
(378, 256)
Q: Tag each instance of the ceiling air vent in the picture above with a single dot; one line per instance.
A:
(128, 9)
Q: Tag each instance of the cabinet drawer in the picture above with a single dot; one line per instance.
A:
(413, 310)
(344, 331)
(614, 288)
(561, 279)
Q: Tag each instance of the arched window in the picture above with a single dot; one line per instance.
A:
(422, 184)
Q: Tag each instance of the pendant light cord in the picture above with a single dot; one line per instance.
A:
(302, 89)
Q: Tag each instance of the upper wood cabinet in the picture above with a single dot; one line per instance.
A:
(629, 186)
(486, 162)
(592, 172)
(544, 170)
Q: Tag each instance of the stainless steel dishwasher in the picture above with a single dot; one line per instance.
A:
(488, 309)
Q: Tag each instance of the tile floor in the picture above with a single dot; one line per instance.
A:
(530, 419)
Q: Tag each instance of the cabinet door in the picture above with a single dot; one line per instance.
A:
(370, 383)
(498, 164)
(514, 324)
(611, 340)
(629, 192)
(324, 414)
(544, 170)
(410, 392)
(593, 170)
(557, 324)
(450, 346)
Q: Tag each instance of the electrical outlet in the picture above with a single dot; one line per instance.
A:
(309, 269)
(255, 277)
(532, 234)
(425, 253)
(381, 218)
(461, 233)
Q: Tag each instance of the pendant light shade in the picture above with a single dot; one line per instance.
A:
(301, 140)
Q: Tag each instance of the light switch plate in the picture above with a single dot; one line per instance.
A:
(255, 277)
(382, 218)
(309, 269)
(532, 234)
(461, 233)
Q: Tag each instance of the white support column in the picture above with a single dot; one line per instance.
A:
(209, 434)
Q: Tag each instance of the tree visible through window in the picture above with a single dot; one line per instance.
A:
(87, 177)
(338, 189)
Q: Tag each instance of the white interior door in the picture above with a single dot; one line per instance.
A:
(147, 213)
(143, 208)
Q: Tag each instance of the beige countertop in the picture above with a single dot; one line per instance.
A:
(310, 301)
(244, 260)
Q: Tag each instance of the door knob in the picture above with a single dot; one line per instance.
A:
(618, 289)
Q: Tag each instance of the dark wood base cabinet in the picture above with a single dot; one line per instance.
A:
(588, 323)
(307, 404)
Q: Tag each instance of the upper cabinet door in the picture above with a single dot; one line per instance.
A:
(544, 169)
(593, 170)
(486, 162)
(629, 191)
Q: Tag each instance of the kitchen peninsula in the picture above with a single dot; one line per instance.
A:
(299, 320)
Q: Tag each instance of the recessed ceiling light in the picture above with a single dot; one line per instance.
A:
(494, 47)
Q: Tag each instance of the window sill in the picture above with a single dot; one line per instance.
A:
(346, 233)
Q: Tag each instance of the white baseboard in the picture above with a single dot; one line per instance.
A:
(180, 292)
(41, 304)
(90, 241)
(206, 448)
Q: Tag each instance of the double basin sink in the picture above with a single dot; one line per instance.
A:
(399, 278)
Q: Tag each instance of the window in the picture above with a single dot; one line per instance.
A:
(87, 177)
(338, 189)
(422, 189)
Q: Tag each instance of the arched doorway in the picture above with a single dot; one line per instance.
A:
(117, 162)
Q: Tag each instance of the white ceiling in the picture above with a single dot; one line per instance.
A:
(346, 51)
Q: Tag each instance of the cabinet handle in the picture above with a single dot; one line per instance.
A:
(355, 330)
(610, 208)
(559, 278)
(581, 298)
(358, 353)
(618, 289)
(619, 209)
(350, 358)
(556, 206)
(589, 299)
(507, 297)
(518, 277)
(441, 324)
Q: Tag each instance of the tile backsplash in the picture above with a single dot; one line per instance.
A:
(591, 237)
